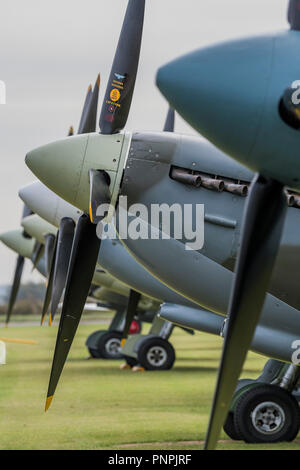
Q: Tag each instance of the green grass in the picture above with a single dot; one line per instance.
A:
(98, 406)
(32, 318)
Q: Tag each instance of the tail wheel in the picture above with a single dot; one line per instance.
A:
(267, 413)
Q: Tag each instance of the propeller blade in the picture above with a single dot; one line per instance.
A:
(62, 259)
(90, 117)
(133, 300)
(26, 212)
(260, 239)
(99, 193)
(294, 14)
(71, 131)
(48, 293)
(15, 287)
(170, 121)
(37, 254)
(85, 108)
(83, 260)
(49, 249)
(120, 87)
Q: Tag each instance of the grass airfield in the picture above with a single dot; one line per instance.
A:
(98, 406)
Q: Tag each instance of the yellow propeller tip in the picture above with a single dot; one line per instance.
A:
(6, 325)
(90, 87)
(123, 341)
(91, 214)
(16, 340)
(48, 402)
(43, 319)
(50, 320)
(98, 80)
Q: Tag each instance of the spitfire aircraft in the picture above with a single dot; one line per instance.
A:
(260, 81)
(36, 196)
(154, 168)
(57, 248)
(119, 265)
(112, 294)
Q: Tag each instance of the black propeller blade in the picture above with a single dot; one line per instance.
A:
(294, 14)
(99, 193)
(15, 287)
(18, 272)
(261, 233)
(62, 259)
(119, 91)
(84, 255)
(85, 108)
(26, 212)
(133, 300)
(49, 250)
(49, 285)
(60, 264)
(170, 121)
(37, 254)
(88, 123)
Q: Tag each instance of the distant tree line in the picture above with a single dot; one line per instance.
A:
(29, 301)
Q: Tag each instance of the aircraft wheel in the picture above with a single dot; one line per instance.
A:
(109, 345)
(267, 413)
(94, 353)
(230, 428)
(156, 354)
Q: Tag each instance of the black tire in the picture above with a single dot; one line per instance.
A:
(94, 353)
(156, 354)
(230, 429)
(279, 412)
(106, 346)
(91, 343)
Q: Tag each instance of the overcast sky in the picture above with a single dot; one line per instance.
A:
(51, 50)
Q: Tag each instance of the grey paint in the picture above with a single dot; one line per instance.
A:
(221, 242)
(194, 318)
(208, 284)
(120, 264)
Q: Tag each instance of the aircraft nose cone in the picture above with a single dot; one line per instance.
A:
(63, 166)
(48, 205)
(39, 199)
(59, 165)
(15, 240)
(220, 90)
(37, 227)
